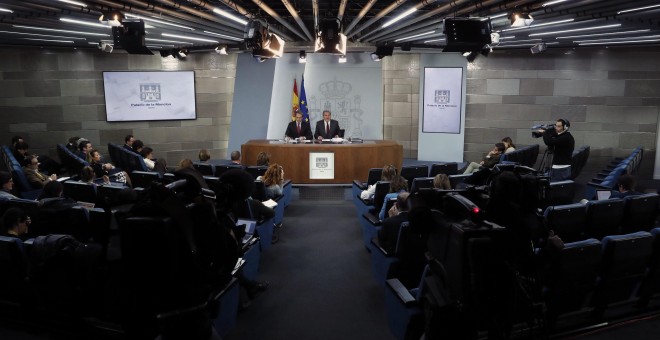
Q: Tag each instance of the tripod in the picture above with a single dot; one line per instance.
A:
(546, 161)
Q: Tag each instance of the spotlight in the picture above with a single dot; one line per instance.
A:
(342, 59)
(521, 19)
(112, 18)
(382, 52)
(329, 38)
(263, 43)
(494, 38)
(222, 50)
(105, 47)
(182, 53)
(302, 58)
(471, 56)
(539, 48)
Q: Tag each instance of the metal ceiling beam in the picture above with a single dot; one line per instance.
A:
(342, 9)
(440, 9)
(187, 19)
(360, 15)
(378, 16)
(296, 17)
(418, 6)
(279, 19)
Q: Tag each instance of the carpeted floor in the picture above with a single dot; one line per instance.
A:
(321, 285)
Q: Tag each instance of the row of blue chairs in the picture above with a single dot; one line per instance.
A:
(608, 178)
(125, 159)
(526, 156)
(210, 169)
(71, 162)
(578, 221)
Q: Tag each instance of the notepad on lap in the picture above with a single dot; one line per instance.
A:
(603, 194)
(250, 227)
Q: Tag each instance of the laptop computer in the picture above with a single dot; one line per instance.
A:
(250, 227)
(603, 194)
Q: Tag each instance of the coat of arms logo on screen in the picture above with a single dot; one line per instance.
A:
(150, 92)
(442, 96)
(321, 162)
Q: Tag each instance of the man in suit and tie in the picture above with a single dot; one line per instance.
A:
(326, 128)
(299, 128)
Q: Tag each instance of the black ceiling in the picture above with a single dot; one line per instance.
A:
(562, 24)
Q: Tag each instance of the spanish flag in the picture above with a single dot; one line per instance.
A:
(294, 100)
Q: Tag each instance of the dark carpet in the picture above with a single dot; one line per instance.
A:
(321, 285)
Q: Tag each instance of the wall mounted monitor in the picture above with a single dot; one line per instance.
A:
(144, 96)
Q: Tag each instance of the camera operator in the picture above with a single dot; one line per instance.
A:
(563, 143)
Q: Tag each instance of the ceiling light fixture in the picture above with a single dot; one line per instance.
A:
(400, 16)
(618, 39)
(621, 42)
(539, 25)
(59, 30)
(77, 3)
(575, 30)
(82, 22)
(302, 57)
(521, 19)
(60, 41)
(550, 3)
(185, 37)
(230, 16)
(111, 17)
(222, 50)
(158, 21)
(637, 9)
(182, 53)
(170, 41)
(498, 16)
(382, 52)
(105, 47)
(434, 40)
(329, 38)
(342, 59)
(602, 34)
(523, 45)
(264, 45)
(224, 36)
(6, 10)
(42, 35)
(415, 36)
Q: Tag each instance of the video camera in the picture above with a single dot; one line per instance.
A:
(546, 127)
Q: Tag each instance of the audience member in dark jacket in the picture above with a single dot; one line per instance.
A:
(389, 232)
(15, 223)
(626, 186)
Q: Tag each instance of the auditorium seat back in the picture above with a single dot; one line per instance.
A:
(567, 221)
(444, 168)
(640, 212)
(205, 169)
(604, 217)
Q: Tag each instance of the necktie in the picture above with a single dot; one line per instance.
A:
(327, 129)
(298, 129)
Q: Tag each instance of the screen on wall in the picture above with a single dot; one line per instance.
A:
(442, 99)
(139, 96)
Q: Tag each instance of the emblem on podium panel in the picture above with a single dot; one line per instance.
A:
(322, 162)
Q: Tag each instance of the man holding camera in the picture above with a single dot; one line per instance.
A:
(563, 143)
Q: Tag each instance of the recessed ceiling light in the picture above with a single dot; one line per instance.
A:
(42, 35)
(224, 36)
(229, 16)
(82, 22)
(185, 37)
(158, 21)
(575, 30)
(59, 30)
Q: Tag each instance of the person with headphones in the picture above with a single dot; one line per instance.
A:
(563, 143)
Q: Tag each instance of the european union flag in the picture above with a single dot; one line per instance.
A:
(303, 100)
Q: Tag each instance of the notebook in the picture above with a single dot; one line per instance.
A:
(250, 227)
(603, 194)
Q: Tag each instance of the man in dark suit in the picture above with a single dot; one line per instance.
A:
(299, 128)
(326, 128)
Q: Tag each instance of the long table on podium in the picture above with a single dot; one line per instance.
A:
(348, 161)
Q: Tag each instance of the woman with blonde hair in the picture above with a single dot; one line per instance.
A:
(389, 171)
(273, 180)
(441, 181)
